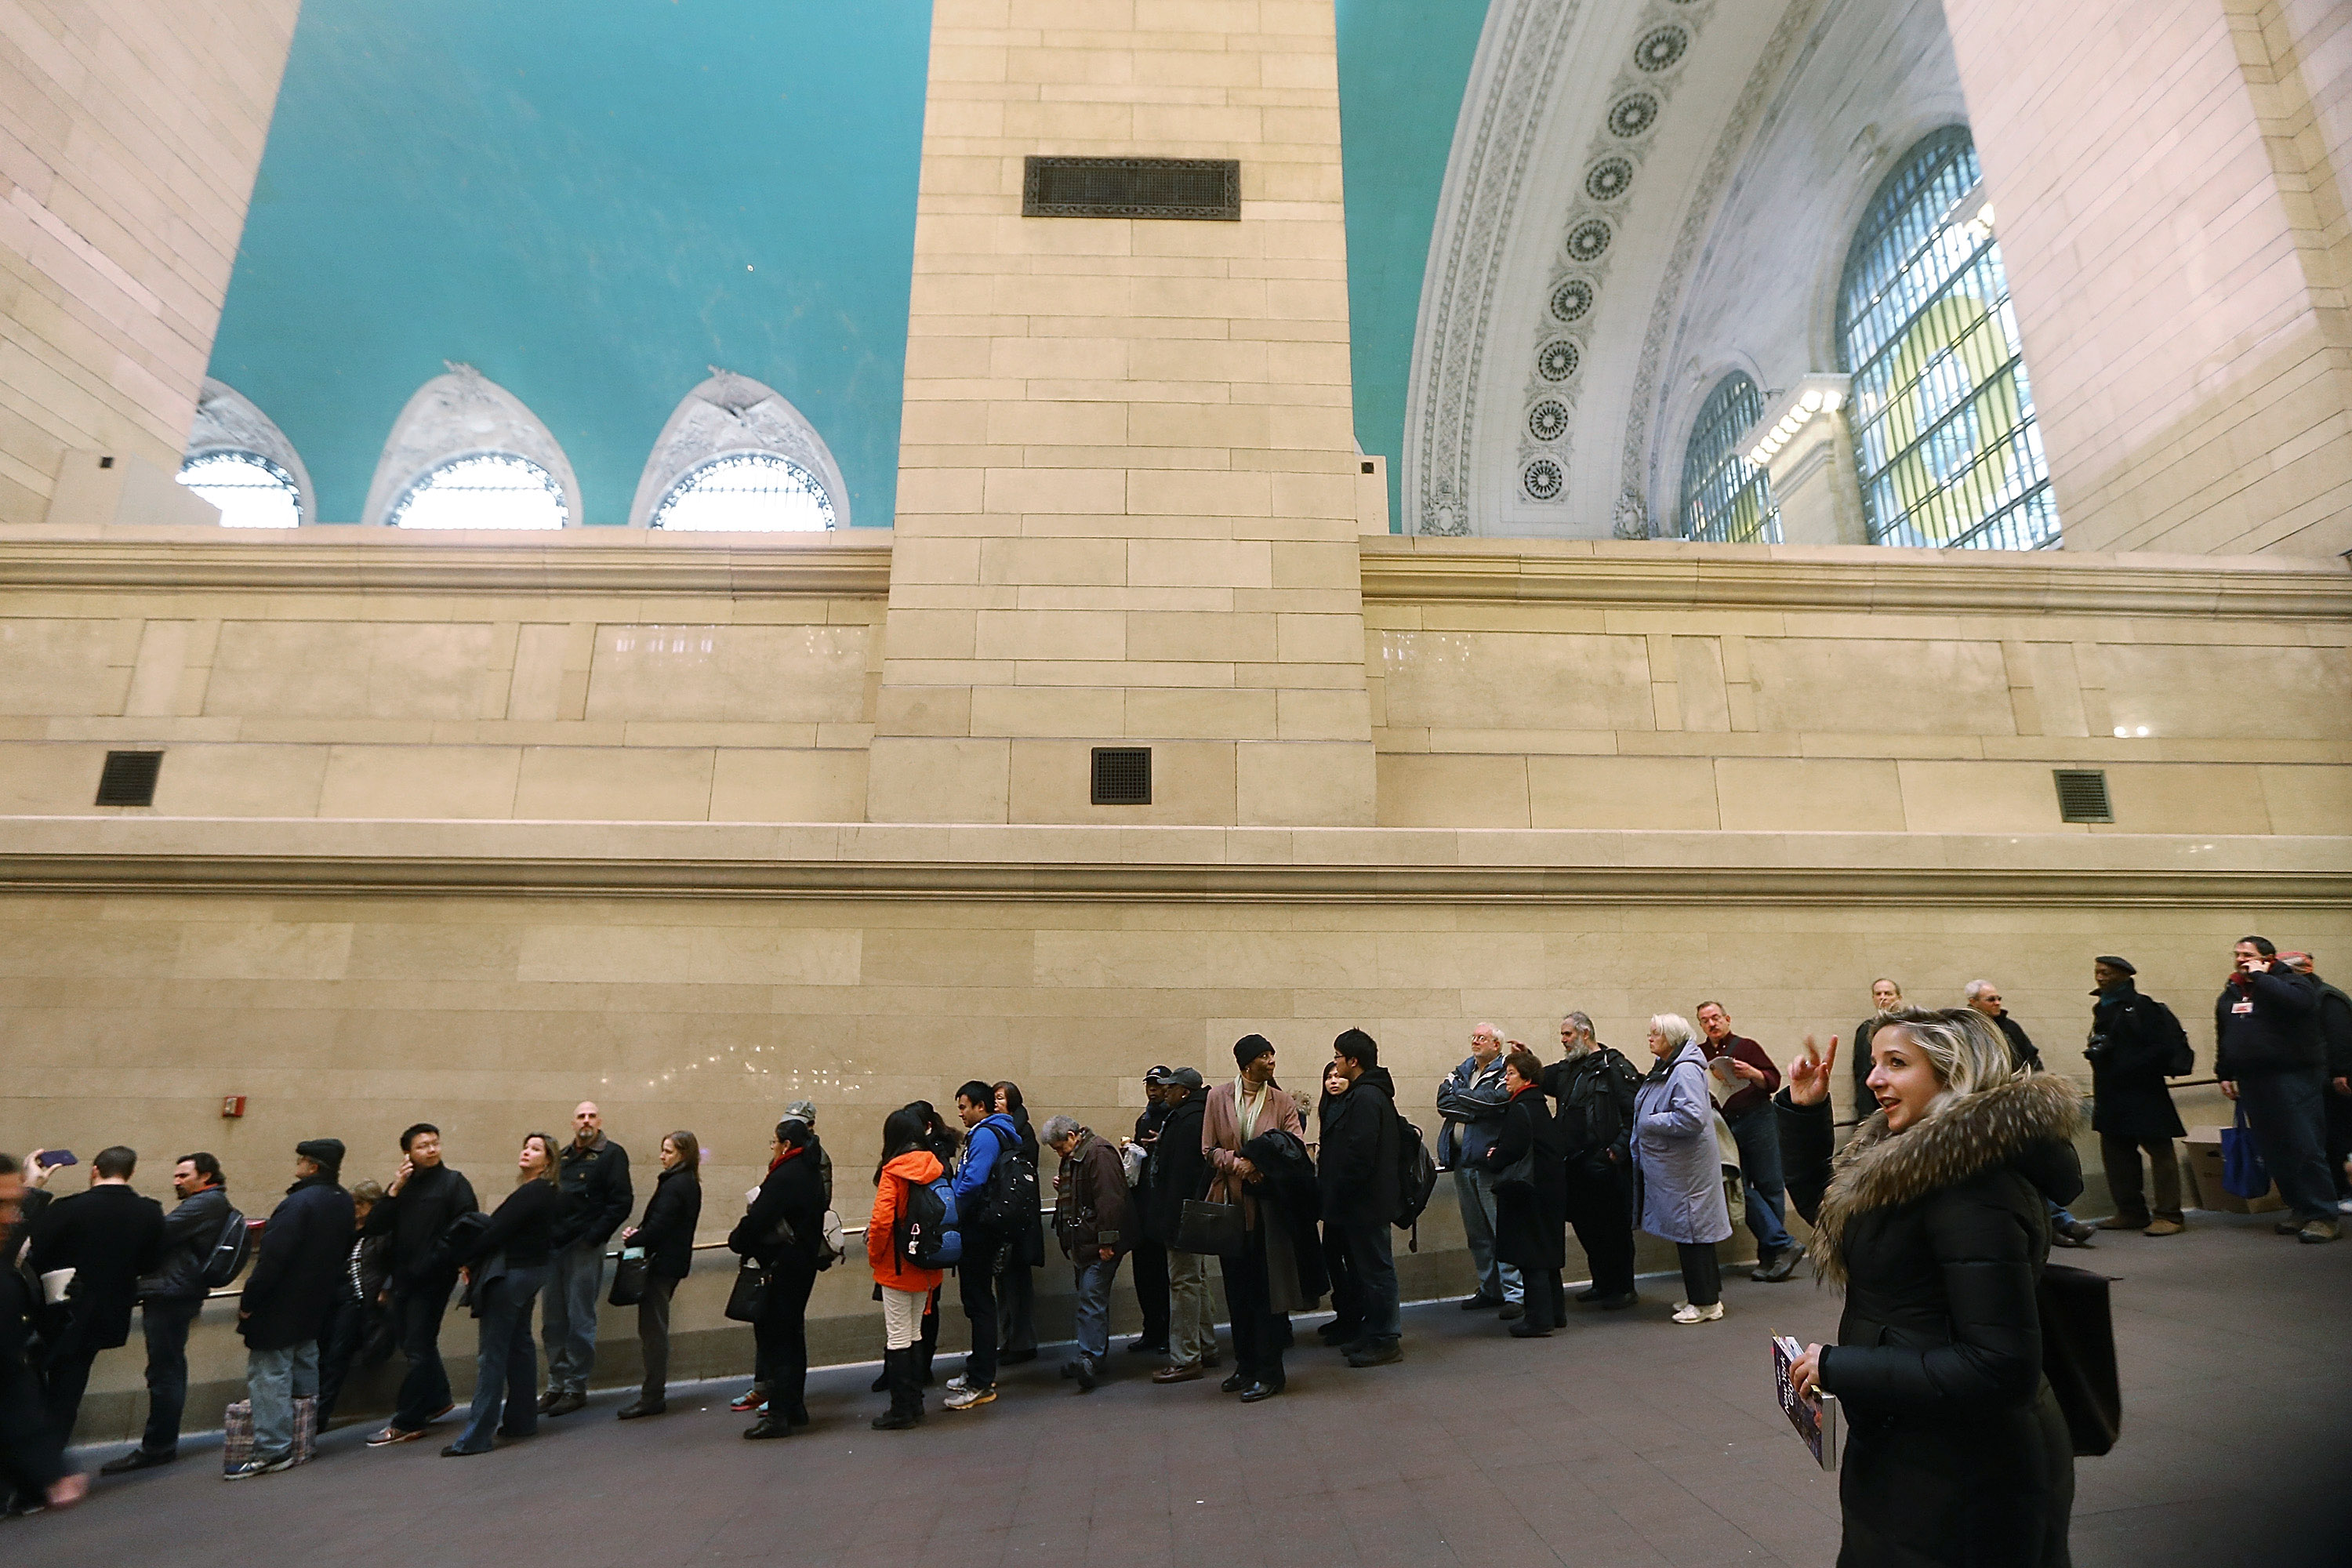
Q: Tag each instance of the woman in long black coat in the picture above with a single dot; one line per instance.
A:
(666, 1236)
(1531, 1219)
(1936, 1219)
(782, 1230)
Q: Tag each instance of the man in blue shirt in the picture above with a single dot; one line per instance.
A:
(989, 1137)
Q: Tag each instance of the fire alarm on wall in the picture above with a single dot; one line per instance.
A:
(232, 1105)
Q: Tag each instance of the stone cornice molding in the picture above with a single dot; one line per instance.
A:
(1177, 865)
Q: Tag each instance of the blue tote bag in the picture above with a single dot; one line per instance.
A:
(2243, 1171)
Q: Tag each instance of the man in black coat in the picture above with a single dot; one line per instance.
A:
(594, 1173)
(1358, 1164)
(169, 1300)
(109, 1238)
(2336, 1037)
(32, 1468)
(287, 1299)
(1985, 997)
(2130, 1050)
(418, 1207)
(1177, 1169)
(1150, 1257)
(2270, 1059)
(1593, 1088)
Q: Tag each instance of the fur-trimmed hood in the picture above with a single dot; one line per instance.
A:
(1994, 1126)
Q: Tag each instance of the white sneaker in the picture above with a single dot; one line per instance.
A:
(1686, 1313)
(2344, 1205)
(970, 1399)
(958, 1383)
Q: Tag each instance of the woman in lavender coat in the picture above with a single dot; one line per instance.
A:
(1679, 1166)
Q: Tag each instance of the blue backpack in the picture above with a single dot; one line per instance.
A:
(927, 1235)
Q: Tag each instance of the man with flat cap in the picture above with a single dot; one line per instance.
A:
(2130, 1049)
(1150, 1257)
(1177, 1169)
(288, 1298)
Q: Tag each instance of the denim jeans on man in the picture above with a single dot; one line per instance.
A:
(274, 1380)
(1757, 1133)
(506, 1370)
(416, 1323)
(1370, 1250)
(567, 1319)
(1474, 1189)
(165, 1325)
(2289, 1121)
(1093, 1306)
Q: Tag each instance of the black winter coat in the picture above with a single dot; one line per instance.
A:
(1176, 1169)
(2022, 1054)
(596, 1194)
(111, 1238)
(520, 1233)
(1530, 1222)
(1358, 1156)
(191, 1231)
(299, 1269)
(2334, 1028)
(28, 1460)
(666, 1231)
(2278, 1031)
(417, 1217)
(793, 1195)
(2130, 1047)
(1288, 1201)
(1595, 1095)
(1957, 1451)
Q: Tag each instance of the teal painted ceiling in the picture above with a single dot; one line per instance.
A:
(591, 203)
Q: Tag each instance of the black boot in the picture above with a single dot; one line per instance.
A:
(904, 1367)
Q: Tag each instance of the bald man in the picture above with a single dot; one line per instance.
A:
(1472, 1099)
(594, 1173)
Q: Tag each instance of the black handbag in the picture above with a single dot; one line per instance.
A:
(749, 1298)
(1212, 1229)
(2078, 1354)
(1520, 1174)
(629, 1277)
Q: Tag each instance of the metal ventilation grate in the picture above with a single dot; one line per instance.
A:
(2082, 796)
(1123, 776)
(129, 778)
(1207, 188)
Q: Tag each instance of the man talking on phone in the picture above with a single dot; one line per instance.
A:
(102, 1242)
(32, 1469)
(418, 1205)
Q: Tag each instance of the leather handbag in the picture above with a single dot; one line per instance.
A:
(2078, 1354)
(749, 1298)
(1521, 1172)
(1212, 1229)
(629, 1277)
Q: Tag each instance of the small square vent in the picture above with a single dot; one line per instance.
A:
(2082, 796)
(129, 778)
(1123, 776)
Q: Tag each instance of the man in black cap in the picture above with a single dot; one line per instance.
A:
(1151, 1255)
(1178, 1170)
(288, 1298)
(2133, 1038)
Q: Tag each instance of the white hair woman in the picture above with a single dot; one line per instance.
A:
(1935, 1219)
(1679, 1166)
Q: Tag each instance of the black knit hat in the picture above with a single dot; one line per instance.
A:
(1249, 1047)
(326, 1152)
(2120, 965)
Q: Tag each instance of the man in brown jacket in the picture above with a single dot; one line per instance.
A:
(1094, 1220)
(1251, 1105)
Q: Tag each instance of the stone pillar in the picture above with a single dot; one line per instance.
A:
(126, 161)
(2169, 181)
(1127, 492)
(1805, 446)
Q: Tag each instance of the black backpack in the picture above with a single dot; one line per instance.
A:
(229, 1251)
(926, 1232)
(2181, 1058)
(1416, 1177)
(1009, 1198)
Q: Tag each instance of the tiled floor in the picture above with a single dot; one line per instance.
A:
(1623, 1440)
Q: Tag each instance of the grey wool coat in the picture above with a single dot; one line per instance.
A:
(1675, 1155)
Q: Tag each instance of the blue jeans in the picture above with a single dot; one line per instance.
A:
(274, 1380)
(1757, 1133)
(2290, 1123)
(1093, 1306)
(165, 1326)
(506, 1370)
(567, 1319)
(1474, 1189)
(1370, 1250)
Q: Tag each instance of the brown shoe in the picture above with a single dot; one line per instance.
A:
(2123, 1222)
(1183, 1372)
(2165, 1228)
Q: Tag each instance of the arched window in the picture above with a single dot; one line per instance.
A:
(1944, 433)
(465, 453)
(239, 461)
(1725, 497)
(735, 456)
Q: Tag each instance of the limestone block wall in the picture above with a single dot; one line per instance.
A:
(130, 133)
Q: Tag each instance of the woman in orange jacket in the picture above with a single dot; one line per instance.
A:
(902, 1287)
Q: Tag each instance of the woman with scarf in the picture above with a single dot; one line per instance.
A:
(1529, 1162)
(782, 1231)
(1935, 1219)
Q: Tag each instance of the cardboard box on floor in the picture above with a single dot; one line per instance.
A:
(2203, 1168)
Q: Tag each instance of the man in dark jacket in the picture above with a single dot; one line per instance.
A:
(1470, 1099)
(1985, 997)
(2268, 1054)
(1149, 1272)
(1593, 1088)
(33, 1472)
(2336, 1037)
(1174, 1170)
(287, 1299)
(424, 1196)
(1885, 997)
(169, 1300)
(1095, 1223)
(1358, 1164)
(2130, 1051)
(111, 1237)
(594, 1173)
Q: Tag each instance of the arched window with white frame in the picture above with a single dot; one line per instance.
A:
(1726, 499)
(467, 454)
(1946, 448)
(736, 455)
(239, 461)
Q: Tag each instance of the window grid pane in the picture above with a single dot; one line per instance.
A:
(488, 489)
(250, 491)
(1945, 437)
(747, 493)
(1727, 500)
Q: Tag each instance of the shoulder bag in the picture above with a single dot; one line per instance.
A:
(749, 1298)
(2078, 1354)
(629, 1277)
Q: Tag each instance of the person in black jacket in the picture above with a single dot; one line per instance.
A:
(1175, 1171)
(169, 1300)
(666, 1236)
(1149, 1260)
(782, 1232)
(355, 1327)
(2270, 1058)
(1017, 1316)
(1359, 1167)
(1885, 998)
(287, 1299)
(424, 1197)
(111, 1238)
(1935, 1218)
(33, 1472)
(1985, 997)
(1593, 1086)
(2130, 1051)
(2336, 1038)
(1531, 1216)
(594, 1173)
(506, 1263)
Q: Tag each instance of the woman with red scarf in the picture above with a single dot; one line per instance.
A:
(1530, 1164)
(782, 1229)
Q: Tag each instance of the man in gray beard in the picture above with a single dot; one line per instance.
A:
(1593, 1086)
